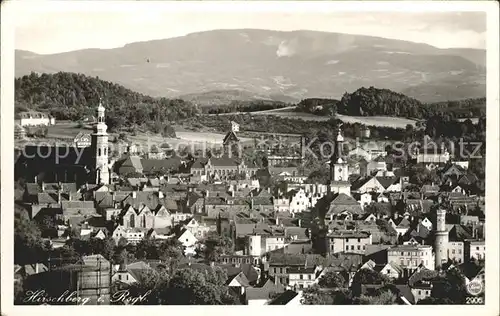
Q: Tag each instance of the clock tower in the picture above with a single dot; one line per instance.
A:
(100, 147)
(339, 170)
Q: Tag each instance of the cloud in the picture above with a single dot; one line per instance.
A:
(286, 49)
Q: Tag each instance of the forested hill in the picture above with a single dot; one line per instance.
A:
(372, 101)
(72, 96)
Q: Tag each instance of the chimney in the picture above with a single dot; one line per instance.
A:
(232, 193)
(251, 204)
(300, 222)
(277, 219)
(36, 179)
(269, 190)
(43, 186)
(161, 195)
(207, 193)
(59, 196)
(134, 194)
(113, 197)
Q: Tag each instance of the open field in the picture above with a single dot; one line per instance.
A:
(196, 139)
(65, 131)
(385, 121)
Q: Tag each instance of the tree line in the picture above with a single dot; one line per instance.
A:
(245, 106)
(373, 101)
(71, 96)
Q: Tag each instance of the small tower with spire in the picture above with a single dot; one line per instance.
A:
(100, 147)
(339, 170)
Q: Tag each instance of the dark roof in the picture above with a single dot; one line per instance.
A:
(284, 298)
(163, 165)
(283, 259)
(32, 114)
(308, 270)
(469, 269)
(405, 291)
(342, 202)
(223, 161)
(264, 292)
(230, 136)
(247, 269)
(349, 234)
(387, 181)
(459, 233)
(426, 188)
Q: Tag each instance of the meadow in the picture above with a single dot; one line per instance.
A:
(384, 121)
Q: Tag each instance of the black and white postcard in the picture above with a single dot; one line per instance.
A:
(249, 153)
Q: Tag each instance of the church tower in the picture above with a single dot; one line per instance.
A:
(339, 170)
(100, 147)
(441, 241)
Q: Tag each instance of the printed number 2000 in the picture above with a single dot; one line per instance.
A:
(474, 300)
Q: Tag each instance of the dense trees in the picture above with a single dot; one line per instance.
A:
(367, 276)
(372, 101)
(216, 245)
(331, 280)
(182, 287)
(245, 106)
(70, 96)
(326, 107)
(384, 298)
(28, 245)
(194, 287)
(316, 295)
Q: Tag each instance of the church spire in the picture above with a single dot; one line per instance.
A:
(339, 171)
(100, 147)
(340, 138)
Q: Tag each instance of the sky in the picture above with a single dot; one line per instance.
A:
(54, 31)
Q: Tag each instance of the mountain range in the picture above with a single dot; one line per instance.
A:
(248, 64)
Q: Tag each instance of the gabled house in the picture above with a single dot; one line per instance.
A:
(131, 235)
(341, 202)
(303, 277)
(238, 284)
(262, 295)
(402, 226)
(370, 184)
(131, 273)
(188, 240)
(82, 140)
(391, 269)
(376, 164)
(389, 183)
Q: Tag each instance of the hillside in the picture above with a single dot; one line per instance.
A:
(373, 101)
(273, 65)
(226, 97)
(70, 96)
